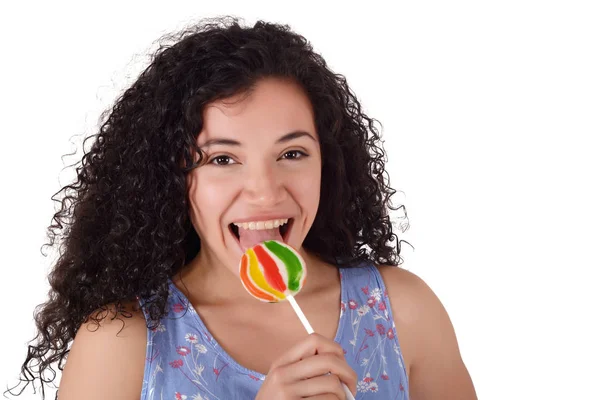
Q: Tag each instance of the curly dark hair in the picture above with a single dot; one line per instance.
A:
(123, 226)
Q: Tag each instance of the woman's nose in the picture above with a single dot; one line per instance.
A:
(263, 186)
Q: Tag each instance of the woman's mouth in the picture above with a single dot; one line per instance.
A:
(249, 234)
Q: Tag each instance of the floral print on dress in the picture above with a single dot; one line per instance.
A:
(371, 339)
(183, 361)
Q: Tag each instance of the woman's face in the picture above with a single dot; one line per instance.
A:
(262, 164)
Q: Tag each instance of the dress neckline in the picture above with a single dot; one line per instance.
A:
(230, 360)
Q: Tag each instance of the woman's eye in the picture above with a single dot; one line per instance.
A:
(294, 155)
(224, 160)
(220, 160)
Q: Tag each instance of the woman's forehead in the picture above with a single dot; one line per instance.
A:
(272, 107)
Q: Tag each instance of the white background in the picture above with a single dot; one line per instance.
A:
(491, 121)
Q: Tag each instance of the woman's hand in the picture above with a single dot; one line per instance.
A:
(303, 372)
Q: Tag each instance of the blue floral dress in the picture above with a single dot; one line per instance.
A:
(184, 361)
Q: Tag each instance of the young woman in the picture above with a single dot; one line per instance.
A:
(235, 135)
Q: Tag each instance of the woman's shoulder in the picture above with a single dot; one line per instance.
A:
(429, 342)
(408, 289)
(107, 357)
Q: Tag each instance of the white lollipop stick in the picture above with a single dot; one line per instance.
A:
(310, 330)
(300, 315)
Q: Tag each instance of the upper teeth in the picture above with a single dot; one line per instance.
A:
(274, 223)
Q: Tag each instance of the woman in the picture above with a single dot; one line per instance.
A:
(233, 136)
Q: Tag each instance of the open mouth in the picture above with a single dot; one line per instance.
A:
(283, 230)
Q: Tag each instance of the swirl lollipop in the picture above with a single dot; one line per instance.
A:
(272, 271)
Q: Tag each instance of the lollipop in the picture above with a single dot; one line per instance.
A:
(272, 271)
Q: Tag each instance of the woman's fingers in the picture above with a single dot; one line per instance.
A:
(314, 368)
(313, 344)
(322, 364)
(325, 397)
(322, 387)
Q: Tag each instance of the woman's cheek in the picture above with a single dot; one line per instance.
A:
(217, 191)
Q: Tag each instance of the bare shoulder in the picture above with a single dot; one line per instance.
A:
(107, 357)
(428, 339)
(406, 289)
(417, 303)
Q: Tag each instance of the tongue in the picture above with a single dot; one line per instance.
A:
(249, 238)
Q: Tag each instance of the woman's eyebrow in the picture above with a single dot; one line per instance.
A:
(231, 142)
(221, 141)
(294, 135)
